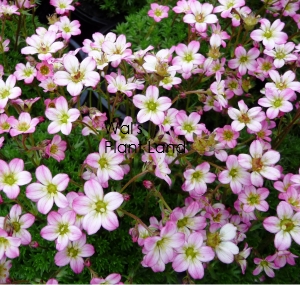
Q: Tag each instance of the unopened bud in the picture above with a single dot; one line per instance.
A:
(87, 262)
(250, 21)
(34, 244)
(134, 234)
(148, 184)
(182, 95)
(1, 199)
(126, 197)
(84, 109)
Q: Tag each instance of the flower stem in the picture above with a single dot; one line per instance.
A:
(132, 180)
(137, 219)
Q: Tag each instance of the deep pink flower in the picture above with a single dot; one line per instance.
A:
(56, 148)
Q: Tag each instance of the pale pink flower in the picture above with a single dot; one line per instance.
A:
(20, 224)
(4, 273)
(159, 250)
(218, 36)
(43, 45)
(282, 54)
(24, 124)
(62, 117)
(12, 176)
(191, 255)
(227, 136)
(266, 265)
(282, 257)
(169, 81)
(4, 45)
(291, 196)
(242, 256)
(4, 123)
(77, 74)
(112, 279)
(117, 82)
(201, 15)
(107, 162)
(161, 167)
(158, 12)
(251, 118)
(25, 72)
(9, 246)
(188, 125)
(44, 70)
(183, 6)
(56, 148)
(74, 253)
(68, 28)
(152, 107)
(1, 141)
(270, 34)
(61, 229)
(8, 10)
(48, 85)
(52, 281)
(283, 186)
(244, 60)
(235, 175)
(8, 90)
(62, 6)
(277, 101)
(48, 190)
(286, 226)
(261, 164)
(227, 5)
(196, 179)
(97, 208)
(118, 50)
(222, 243)
(284, 81)
(253, 198)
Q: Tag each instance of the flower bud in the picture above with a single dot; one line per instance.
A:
(87, 262)
(34, 244)
(126, 197)
(148, 184)
(1, 200)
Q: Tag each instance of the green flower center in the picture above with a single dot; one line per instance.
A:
(253, 199)
(27, 72)
(73, 252)
(100, 207)
(4, 93)
(52, 189)
(188, 57)
(151, 106)
(190, 252)
(243, 59)
(182, 223)
(103, 162)
(197, 175)
(23, 127)
(280, 55)
(266, 66)
(16, 226)
(44, 70)
(228, 135)
(157, 13)
(64, 118)
(277, 103)
(232, 85)
(63, 229)
(213, 239)
(244, 119)
(5, 126)
(233, 172)
(268, 34)
(188, 127)
(67, 29)
(287, 225)
(4, 241)
(281, 86)
(53, 149)
(10, 179)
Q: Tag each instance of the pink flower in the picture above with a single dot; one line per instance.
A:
(12, 176)
(112, 279)
(158, 12)
(97, 207)
(62, 6)
(77, 74)
(191, 255)
(152, 107)
(251, 118)
(68, 28)
(200, 16)
(286, 226)
(260, 164)
(43, 45)
(227, 136)
(62, 117)
(5, 266)
(282, 257)
(159, 250)
(19, 224)
(242, 256)
(44, 70)
(253, 198)
(25, 72)
(266, 265)
(244, 60)
(9, 246)
(8, 90)
(74, 253)
(61, 228)
(107, 162)
(235, 175)
(277, 101)
(222, 243)
(227, 6)
(47, 191)
(197, 178)
(56, 148)
(270, 34)
(24, 125)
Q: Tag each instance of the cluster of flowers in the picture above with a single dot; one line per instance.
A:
(191, 236)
